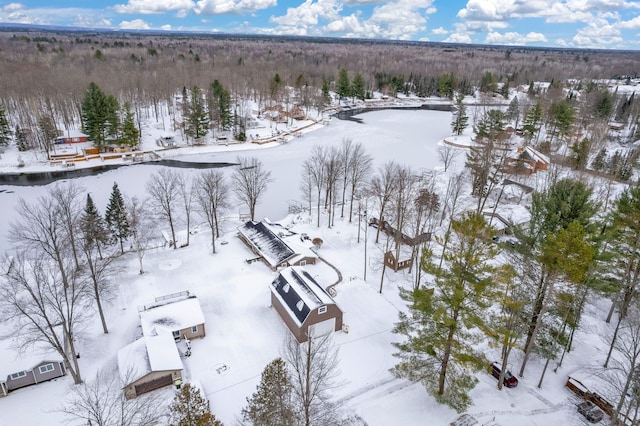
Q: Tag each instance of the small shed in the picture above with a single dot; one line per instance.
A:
(151, 362)
(71, 136)
(38, 372)
(304, 306)
(180, 315)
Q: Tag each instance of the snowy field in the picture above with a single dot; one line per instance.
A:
(244, 333)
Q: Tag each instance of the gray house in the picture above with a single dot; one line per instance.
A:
(42, 371)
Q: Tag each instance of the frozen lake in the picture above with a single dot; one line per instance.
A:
(407, 137)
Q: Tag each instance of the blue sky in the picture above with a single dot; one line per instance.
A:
(611, 24)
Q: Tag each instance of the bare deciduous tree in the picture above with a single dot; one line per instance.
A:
(103, 403)
(212, 196)
(43, 308)
(314, 369)
(187, 194)
(250, 180)
(447, 155)
(314, 171)
(141, 227)
(164, 189)
(382, 187)
(358, 170)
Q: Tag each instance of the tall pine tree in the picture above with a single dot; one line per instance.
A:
(130, 134)
(441, 329)
(460, 120)
(92, 225)
(99, 115)
(5, 130)
(198, 117)
(272, 403)
(116, 217)
(190, 408)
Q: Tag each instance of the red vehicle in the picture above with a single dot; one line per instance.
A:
(510, 380)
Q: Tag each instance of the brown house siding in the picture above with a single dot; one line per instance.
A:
(130, 389)
(306, 260)
(300, 332)
(191, 335)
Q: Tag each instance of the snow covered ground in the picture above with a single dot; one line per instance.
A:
(244, 333)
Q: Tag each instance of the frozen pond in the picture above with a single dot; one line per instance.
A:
(407, 137)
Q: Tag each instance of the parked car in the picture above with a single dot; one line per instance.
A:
(509, 381)
(589, 410)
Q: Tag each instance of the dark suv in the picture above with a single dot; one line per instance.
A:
(509, 381)
(589, 410)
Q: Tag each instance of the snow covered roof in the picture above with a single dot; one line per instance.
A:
(532, 154)
(173, 316)
(13, 360)
(298, 291)
(157, 352)
(301, 251)
(270, 247)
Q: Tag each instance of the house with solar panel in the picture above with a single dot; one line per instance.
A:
(275, 245)
(304, 306)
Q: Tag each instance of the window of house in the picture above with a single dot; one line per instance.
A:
(300, 305)
(18, 375)
(286, 288)
(322, 309)
(194, 329)
(176, 334)
(46, 368)
(303, 263)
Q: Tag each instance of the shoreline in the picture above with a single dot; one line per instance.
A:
(45, 177)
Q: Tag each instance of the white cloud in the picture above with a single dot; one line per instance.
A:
(632, 24)
(146, 7)
(400, 19)
(217, 7)
(597, 36)
(458, 38)
(12, 7)
(136, 24)
(439, 31)
(514, 38)
(303, 20)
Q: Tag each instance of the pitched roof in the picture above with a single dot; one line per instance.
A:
(299, 292)
(172, 316)
(270, 247)
(157, 352)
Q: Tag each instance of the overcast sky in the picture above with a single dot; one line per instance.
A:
(612, 24)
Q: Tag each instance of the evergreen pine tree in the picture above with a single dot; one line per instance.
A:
(130, 133)
(92, 224)
(116, 217)
(440, 330)
(190, 408)
(357, 87)
(99, 115)
(460, 119)
(532, 121)
(343, 86)
(271, 404)
(599, 163)
(220, 106)
(21, 139)
(198, 117)
(5, 131)
(326, 96)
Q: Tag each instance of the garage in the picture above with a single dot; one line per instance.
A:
(154, 384)
(323, 328)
